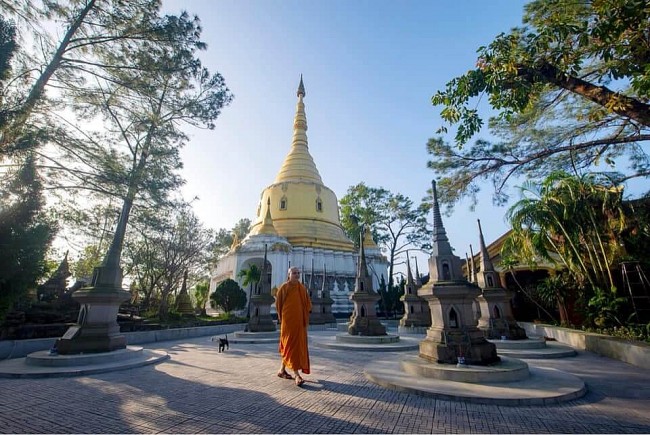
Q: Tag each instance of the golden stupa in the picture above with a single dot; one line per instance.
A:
(304, 210)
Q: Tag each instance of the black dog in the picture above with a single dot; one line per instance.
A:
(223, 344)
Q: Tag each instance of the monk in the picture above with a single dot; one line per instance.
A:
(293, 306)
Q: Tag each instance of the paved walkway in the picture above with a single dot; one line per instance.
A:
(200, 390)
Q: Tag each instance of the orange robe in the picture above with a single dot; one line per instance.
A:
(293, 306)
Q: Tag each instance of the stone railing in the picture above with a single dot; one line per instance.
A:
(631, 352)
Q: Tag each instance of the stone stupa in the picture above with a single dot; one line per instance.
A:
(417, 316)
(183, 301)
(497, 320)
(261, 301)
(364, 320)
(321, 308)
(453, 337)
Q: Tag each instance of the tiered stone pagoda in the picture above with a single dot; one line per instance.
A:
(183, 301)
(364, 320)
(316, 300)
(261, 301)
(453, 337)
(321, 304)
(328, 302)
(497, 320)
(417, 316)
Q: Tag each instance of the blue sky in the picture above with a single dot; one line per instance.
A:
(370, 69)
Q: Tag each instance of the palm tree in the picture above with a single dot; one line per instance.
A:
(251, 277)
(578, 218)
(202, 294)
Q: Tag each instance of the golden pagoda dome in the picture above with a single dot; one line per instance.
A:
(304, 210)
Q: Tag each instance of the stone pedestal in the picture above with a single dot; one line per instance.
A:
(497, 320)
(316, 315)
(453, 337)
(416, 312)
(321, 311)
(364, 320)
(261, 319)
(97, 329)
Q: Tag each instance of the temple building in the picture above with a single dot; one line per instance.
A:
(298, 221)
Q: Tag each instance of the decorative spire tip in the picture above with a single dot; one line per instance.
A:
(301, 88)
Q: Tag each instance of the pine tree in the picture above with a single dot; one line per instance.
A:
(25, 235)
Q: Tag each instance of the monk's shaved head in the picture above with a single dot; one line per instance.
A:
(293, 271)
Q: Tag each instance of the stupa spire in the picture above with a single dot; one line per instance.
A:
(299, 165)
(443, 264)
(486, 264)
(301, 88)
(310, 286)
(409, 275)
(323, 290)
(441, 244)
(267, 226)
(363, 268)
(474, 271)
(418, 280)
(263, 274)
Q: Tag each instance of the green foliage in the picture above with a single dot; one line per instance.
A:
(229, 296)
(251, 276)
(25, 235)
(224, 239)
(201, 295)
(579, 219)
(571, 91)
(632, 332)
(604, 308)
(581, 224)
(129, 78)
(554, 290)
(636, 237)
(91, 256)
(390, 303)
(230, 318)
(395, 222)
(8, 48)
(159, 255)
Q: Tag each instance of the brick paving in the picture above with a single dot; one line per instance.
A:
(200, 390)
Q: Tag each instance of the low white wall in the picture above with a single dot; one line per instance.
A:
(21, 348)
(635, 353)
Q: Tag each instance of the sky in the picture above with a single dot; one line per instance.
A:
(370, 68)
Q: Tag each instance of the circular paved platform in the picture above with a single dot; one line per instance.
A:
(251, 337)
(43, 365)
(507, 370)
(551, 350)
(364, 344)
(544, 386)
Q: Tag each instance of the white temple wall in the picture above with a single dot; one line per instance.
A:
(280, 262)
(337, 263)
